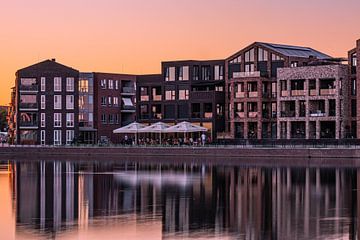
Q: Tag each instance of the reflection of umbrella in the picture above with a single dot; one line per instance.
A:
(158, 127)
(25, 117)
(131, 128)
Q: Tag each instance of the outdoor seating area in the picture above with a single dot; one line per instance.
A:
(160, 133)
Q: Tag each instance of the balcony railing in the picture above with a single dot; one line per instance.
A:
(246, 74)
(313, 92)
(124, 107)
(208, 114)
(298, 93)
(240, 114)
(252, 114)
(157, 97)
(29, 124)
(239, 94)
(32, 88)
(284, 93)
(327, 91)
(144, 98)
(287, 113)
(28, 106)
(253, 94)
(317, 113)
(130, 90)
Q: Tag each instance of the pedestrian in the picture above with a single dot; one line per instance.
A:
(203, 139)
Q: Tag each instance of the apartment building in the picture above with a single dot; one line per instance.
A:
(114, 105)
(45, 100)
(312, 102)
(185, 91)
(353, 59)
(251, 87)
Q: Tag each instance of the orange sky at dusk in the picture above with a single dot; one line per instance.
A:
(134, 36)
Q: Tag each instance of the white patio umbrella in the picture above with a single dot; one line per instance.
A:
(185, 127)
(132, 128)
(158, 127)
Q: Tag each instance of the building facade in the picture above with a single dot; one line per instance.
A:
(354, 72)
(46, 109)
(114, 104)
(312, 102)
(185, 91)
(251, 87)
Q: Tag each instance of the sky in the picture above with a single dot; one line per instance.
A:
(134, 36)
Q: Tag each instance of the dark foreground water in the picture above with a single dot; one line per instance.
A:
(107, 200)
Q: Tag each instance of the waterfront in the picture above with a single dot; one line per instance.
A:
(114, 199)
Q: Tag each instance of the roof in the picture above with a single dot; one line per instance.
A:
(295, 51)
(48, 66)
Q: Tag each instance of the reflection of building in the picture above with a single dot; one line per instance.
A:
(185, 91)
(114, 104)
(312, 102)
(46, 109)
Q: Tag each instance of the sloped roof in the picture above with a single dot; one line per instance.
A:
(295, 51)
(48, 66)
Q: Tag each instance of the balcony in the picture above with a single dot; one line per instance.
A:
(29, 106)
(128, 90)
(253, 94)
(239, 94)
(157, 97)
(325, 92)
(144, 98)
(29, 88)
(287, 113)
(253, 114)
(296, 93)
(29, 125)
(284, 93)
(240, 114)
(129, 109)
(208, 114)
(246, 74)
(313, 92)
(317, 113)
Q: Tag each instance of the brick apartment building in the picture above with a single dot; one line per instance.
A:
(354, 72)
(45, 105)
(185, 91)
(114, 103)
(251, 92)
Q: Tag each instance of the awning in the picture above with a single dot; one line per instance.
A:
(128, 102)
(185, 127)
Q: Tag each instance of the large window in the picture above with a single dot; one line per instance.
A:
(262, 55)
(196, 73)
(70, 102)
(219, 72)
(205, 73)
(184, 73)
(70, 120)
(57, 84)
(170, 73)
(183, 94)
(250, 55)
(236, 60)
(170, 95)
(57, 119)
(84, 85)
(69, 137)
(70, 84)
(57, 137)
(57, 101)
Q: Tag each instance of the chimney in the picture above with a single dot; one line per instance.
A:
(53, 60)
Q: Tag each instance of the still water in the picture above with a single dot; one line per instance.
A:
(109, 200)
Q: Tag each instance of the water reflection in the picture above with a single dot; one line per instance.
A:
(133, 201)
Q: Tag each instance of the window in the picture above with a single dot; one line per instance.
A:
(219, 88)
(294, 64)
(196, 73)
(219, 72)
(91, 99)
(57, 84)
(275, 57)
(110, 101)
(70, 102)
(205, 73)
(184, 73)
(116, 118)
(57, 137)
(263, 55)
(250, 55)
(42, 120)
(183, 94)
(103, 84)
(111, 84)
(353, 87)
(103, 118)
(57, 119)
(70, 120)
(249, 67)
(42, 82)
(170, 73)
(116, 84)
(103, 101)
(353, 60)
(170, 95)
(42, 137)
(69, 137)
(236, 60)
(116, 101)
(57, 101)
(43, 102)
(69, 84)
(111, 119)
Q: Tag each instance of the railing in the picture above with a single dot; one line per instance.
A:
(240, 114)
(253, 94)
(29, 124)
(317, 113)
(298, 92)
(287, 113)
(29, 87)
(252, 114)
(246, 74)
(28, 106)
(128, 90)
(239, 94)
(284, 93)
(144, 98)
(157, 97)
(313, 92)
(327, 91)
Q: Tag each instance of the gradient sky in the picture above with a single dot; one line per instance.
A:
(134, 36)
